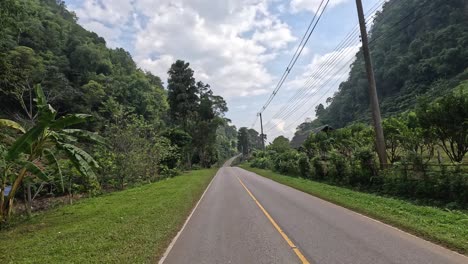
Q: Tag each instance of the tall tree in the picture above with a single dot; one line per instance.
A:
(182, 93)
(243, 141)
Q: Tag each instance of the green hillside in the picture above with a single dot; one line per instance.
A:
(418, 48)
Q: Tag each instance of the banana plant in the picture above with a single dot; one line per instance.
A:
(34, 150)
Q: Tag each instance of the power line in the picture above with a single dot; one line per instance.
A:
(374, 39)
(296, 54)
(327, 70)
(338, 52)
(324, 85)
(312, 106)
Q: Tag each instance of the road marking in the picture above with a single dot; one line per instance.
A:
(277, 227)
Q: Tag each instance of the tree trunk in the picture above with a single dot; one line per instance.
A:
(11, 196)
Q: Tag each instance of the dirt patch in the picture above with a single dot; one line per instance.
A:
(45, 203)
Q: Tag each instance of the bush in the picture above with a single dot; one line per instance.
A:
(166, 172)
(304, 166)
(367, 170)
(319, 168)
(287, 163)
(339, 169)
(261, 163)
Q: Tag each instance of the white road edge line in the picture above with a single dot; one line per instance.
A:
(440, 247)
(174, 240)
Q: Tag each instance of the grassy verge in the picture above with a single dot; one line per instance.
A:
(448, 228)
(131, 226)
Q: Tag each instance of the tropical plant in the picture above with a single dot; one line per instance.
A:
(447, 117)
(38, 148)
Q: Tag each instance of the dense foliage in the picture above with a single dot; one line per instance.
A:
(40, 146)
(426, 152)
(418, 48)
(248, 139)
(151, 132)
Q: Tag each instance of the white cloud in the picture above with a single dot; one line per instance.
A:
(216, 45)
(230, 44)
(241, 107)
(110, 34)
(227, 43)
(312, 5)
(159, 65)
(277, 36)
(279, 124)
(279, 127)
(110, 11)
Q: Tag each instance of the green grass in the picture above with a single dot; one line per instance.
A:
(131, 226)
(448, 228)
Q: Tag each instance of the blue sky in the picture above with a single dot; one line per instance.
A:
(239, 47)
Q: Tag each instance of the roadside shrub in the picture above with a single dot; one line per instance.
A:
(304, 166)
(339, 169)
(261, 163)
(287, 163)
(319, 168)
(166, 172)
(367, 172)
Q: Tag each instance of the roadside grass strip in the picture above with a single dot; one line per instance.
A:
(130, 226)
(445, 227)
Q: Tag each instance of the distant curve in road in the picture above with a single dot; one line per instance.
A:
(230, 226)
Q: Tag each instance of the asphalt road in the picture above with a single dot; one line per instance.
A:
(245, 218)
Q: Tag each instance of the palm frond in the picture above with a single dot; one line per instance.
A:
(80, 159)
(86, 135)
(11, 124)
(69, 120)
(23, 144)
(34, 169)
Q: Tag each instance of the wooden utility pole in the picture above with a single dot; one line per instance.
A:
(374, 100)
(261, 129)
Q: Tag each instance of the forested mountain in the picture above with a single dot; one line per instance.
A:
(52, 68)
(418, 47)
(42, 43)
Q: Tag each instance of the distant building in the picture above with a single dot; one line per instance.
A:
(301, 136)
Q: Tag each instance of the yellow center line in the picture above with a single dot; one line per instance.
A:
(273, 222)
